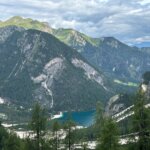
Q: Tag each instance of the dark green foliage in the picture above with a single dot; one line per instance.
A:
(141, 122)
(9, 140)
(3, 136)
(38, 124)
(56, 140)
(69, 127)
(107, 131)
(109, 136)
(146, 77)
(99, 119)
(12, 142)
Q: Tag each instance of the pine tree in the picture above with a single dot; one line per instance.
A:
(38, 124)
(70, 129)
(3, 137)
(99, 119)
(141, 122)
(109, 135)
(56, 127)
(12, 142)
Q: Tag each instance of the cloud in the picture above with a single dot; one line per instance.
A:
(126, 20)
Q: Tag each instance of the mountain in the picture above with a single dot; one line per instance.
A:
(143, 44)
(145, 49)
(27, 24)
(35, 66)
(117, 60)
(121, 106)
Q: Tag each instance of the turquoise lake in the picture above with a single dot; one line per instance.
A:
(84, 118)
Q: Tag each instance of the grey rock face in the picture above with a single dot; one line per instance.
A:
(118, 103)
(35, 66)
(8, 31)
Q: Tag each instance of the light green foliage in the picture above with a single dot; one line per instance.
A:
(126, 84)
(74, 38)
(26, 23)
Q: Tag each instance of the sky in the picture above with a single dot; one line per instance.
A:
(126, 20)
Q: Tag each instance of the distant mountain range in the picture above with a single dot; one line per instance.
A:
(115, 59)
(143, 44)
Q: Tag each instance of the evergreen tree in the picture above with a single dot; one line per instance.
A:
(28, 144)
(38, 125)
(3, 136)
(84, 146)
(99, 119)
(56, 127)
(107, 131)
(141, 122)
(70, 129)
(108, 139)
(146, 77)
(12, 142)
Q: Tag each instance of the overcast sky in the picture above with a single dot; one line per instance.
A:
(127, 20)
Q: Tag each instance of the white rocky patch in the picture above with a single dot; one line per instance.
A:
(13, 70)
(25, 134)
(39, 78)
(90, 72)
(114, 69)
(60, 115)
(56, 61)
(125, 116)
(113, 99)
(51, 70)
(8, 125)
(20, 67)
(2, 101)
(3, 116)
(144, 87)
(147, 105)
(44, 84)
(123, 112)
(128, 114)
(113, 44)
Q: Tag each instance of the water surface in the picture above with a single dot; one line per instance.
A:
(82, 118)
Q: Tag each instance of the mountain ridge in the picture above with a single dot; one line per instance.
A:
(116, 59)
(36, 66)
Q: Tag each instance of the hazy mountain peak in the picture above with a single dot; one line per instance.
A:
(15, 18)
(27, 23)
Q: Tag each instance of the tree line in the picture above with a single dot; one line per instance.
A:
(107, 134)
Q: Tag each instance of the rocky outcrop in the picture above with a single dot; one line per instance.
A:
(118, 103)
